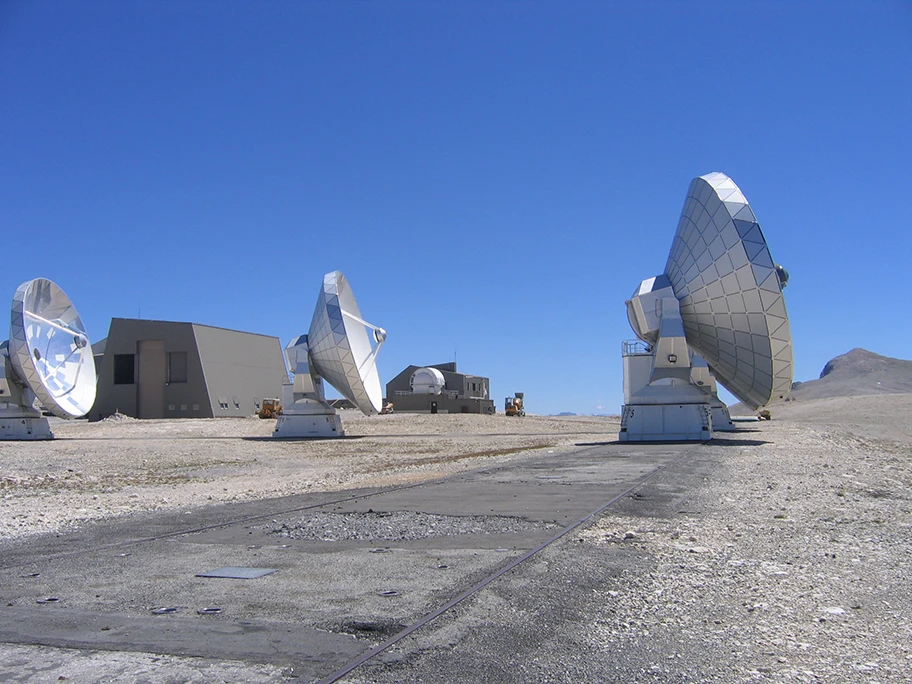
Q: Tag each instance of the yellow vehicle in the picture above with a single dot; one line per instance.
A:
(271, 408)
(513, 406)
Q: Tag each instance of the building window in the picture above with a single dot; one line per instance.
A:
(177, 367)
(124, 369)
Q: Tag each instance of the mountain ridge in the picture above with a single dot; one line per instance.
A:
(855, 373)
(858, 372)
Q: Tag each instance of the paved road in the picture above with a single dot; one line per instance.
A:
(352, 570)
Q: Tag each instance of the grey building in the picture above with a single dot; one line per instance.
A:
(165, 369)
(439, 389)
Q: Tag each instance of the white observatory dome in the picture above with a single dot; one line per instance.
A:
(427, 381)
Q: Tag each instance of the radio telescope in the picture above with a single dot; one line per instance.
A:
(716, 313)
(47, 357)
(341, 348)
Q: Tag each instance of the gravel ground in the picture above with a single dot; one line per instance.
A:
(121, 465)
(780, 554)
(791, 562)
(125, 668)
(787, 560)
(397, 526)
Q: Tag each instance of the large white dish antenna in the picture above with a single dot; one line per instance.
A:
(48, 357)
(341, 348)
(730, 292)
(716, 313)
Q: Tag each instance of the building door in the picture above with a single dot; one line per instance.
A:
(151, 381)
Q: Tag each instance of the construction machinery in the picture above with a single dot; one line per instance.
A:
(513, 406)
(270, 408)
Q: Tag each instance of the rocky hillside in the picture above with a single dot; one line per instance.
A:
(857, 373)
(854, 374)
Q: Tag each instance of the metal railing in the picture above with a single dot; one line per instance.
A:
(635, 348)
(451, 394)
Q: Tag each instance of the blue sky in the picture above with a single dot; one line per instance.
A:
(493, 178)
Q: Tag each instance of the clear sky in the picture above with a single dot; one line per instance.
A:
(493, 178)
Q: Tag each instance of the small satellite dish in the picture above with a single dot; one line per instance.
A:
(341, 348)
(47, 357)
(716, 313)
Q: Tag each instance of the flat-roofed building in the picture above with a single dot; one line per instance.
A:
(167, 369)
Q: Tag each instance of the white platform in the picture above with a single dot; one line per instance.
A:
(312, 425)
(25, 428)
(666, 423)
(721, 419)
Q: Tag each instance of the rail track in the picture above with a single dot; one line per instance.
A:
(471, 591)
(570, 483)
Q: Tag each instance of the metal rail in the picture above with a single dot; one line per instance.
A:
(213, 526)
(260, 516)
(360, 660)
(424, 620)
